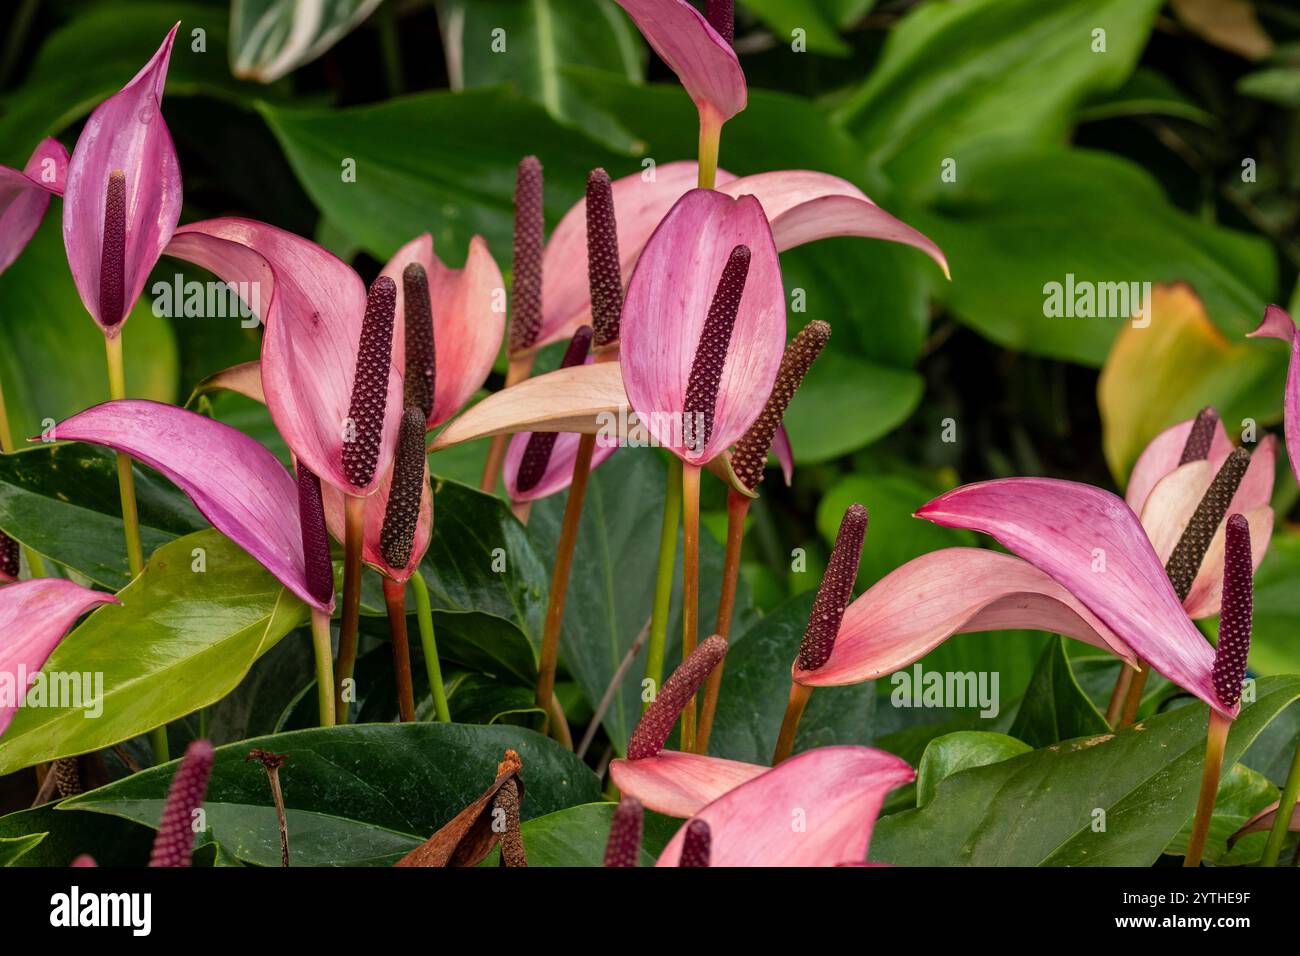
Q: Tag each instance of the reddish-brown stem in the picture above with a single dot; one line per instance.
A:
(395, 598)
(560, 724)
(1215, 740)
(690, 584)
(354, 511)
(560, 576)
(1117, 697)
(737, 511)
(518, 370)
(799, 694)
(1133, 700)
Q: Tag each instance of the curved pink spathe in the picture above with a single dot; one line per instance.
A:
(375, 510)
(817, 808)
(667, 301)
(1162, 455)
(25, 197)
(802, 206)
(469, 320)
(126, 132)
(312, 303)
(1092, 544)
(34, 617)
(704, 62)
(559, 467)
(1278, 325)
(918, 606)
(680, 784)
(238, 485)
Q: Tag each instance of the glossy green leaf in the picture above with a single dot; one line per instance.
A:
(1147, 93)
(61, 837)
(180, 640)
(1055, 708)
(1242, 793)
(870, 400)
(1039, 808)
(946, 755)
(361, 794)
(62, 501)
(270, 38)
(52, 361)
(756, 687)
(1280, 85)
(957, 76)
(1274, 648)
(12, 848)
(816, 19)
(576, 837)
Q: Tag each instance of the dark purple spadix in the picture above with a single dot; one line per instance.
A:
(421, 365)
(537, 453)
(175, 840)
(658, 719)
(623, 848)
(9, 564)
(526, 281)
(721, 15)
(1201, 436)
(696, 845)
(603, 271)
(749, 457)
(112, 256)
(397, 535)
(1235, 617)
(836, 590)
(1185, 560)
(370, 386)
(711, 352)
(315, 539)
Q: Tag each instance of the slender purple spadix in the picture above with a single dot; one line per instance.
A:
(721, 15)
(749, 457)
(112, 261)
(175, 840)
(537, 453)
(397, 535)
(658, 719)
(603, 271)
(696, 845)
(421, 364)
(1201, 436)
(370, 386)
(9, 563)
(1185, 560)
(835, 591)
(711, 353)
(526, 281)
(623, 848)
(315, 538)
(1235, 617)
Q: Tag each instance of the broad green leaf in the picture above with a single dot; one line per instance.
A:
(180, 640)
(52, 361)
(258, 704)
(870, 401)
(957, 76)
(1001, 227)
(270, 38)
(1274, 643)
(576, 836)
(1280, 85)
(98, 51)
(611, 589)
(756, 687)
(62, 501)
(541, 38)
(946, 755)
(1039, 808)
(12, 848)
(817, 19)
(1242, 793)
(1147, 93)
(1055, 708)
(64, 836)
(480, 559)
(360, 794)
(1157, 376)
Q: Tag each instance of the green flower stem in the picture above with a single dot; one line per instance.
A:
(1285, 808)
(354, 519)
(158, 740)
(424, 616)
(1215, 740)
(6, 436)
(125, 478)
(654, 658)
(710, 138)
(320, 643)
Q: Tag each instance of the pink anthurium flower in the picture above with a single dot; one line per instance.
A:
(25, 196)
(841, 790)
(238, 485)
(1277, 324)
(801, 205)
(34, 617)
(9, 560)
(122, 200)
(698, 49)
(1090, 542)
